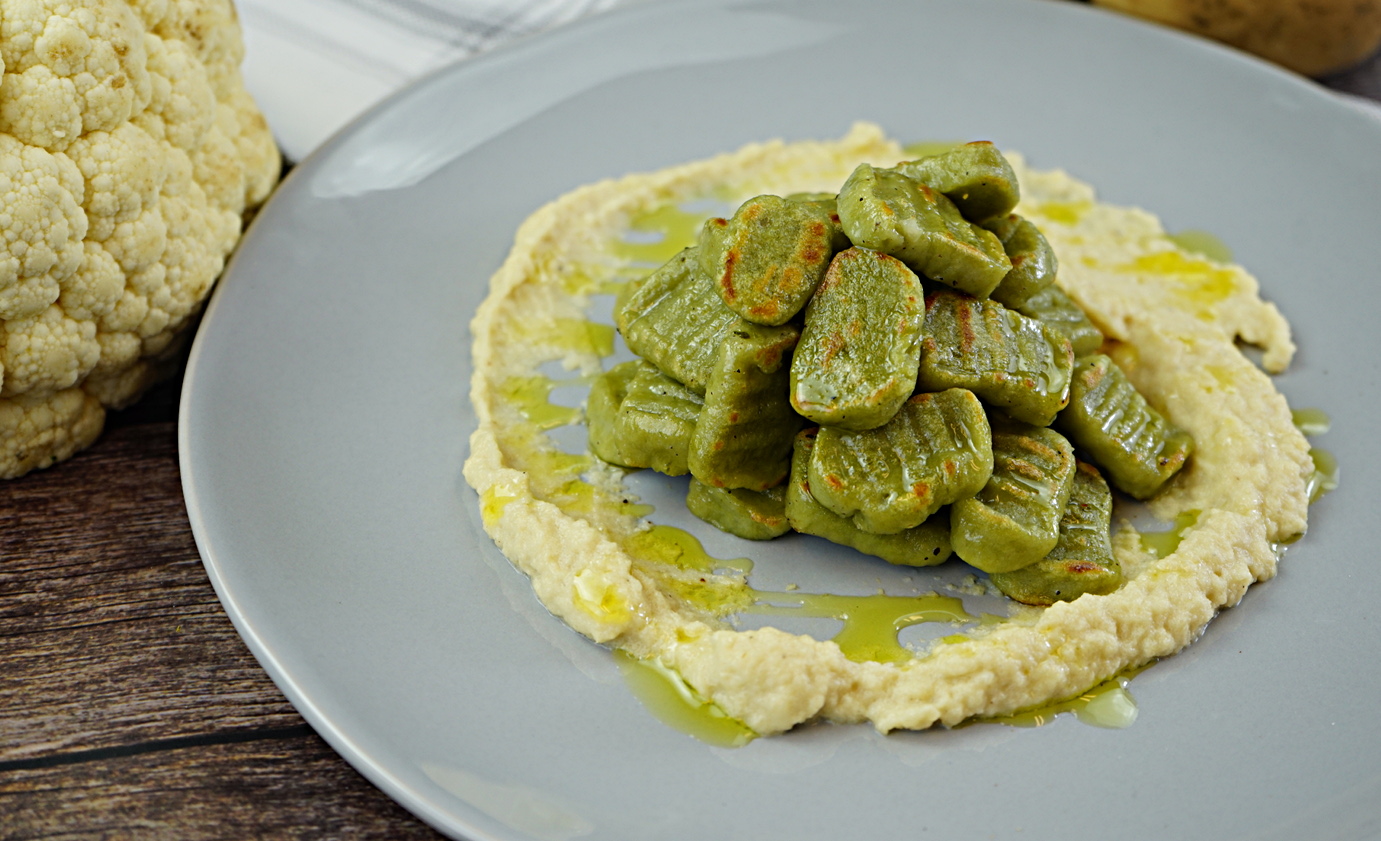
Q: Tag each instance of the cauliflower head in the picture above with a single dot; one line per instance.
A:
(130, 153)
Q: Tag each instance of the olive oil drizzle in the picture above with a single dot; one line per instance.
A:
(579, 335)
(1164, 543)
(493, 501)
(1064, 213)
(659, 234)
(532, 451)
(600, 278)
(1108, 705)
(532, 397)
(582, 499)
(1311, 422)
(1325, 476)
(680, 548)
(1199, 281)
(871, 623)
(665, 694)
(1202, 243)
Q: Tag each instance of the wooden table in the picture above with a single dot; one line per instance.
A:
(129, 707)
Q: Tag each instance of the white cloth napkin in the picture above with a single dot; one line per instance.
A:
(313, 65)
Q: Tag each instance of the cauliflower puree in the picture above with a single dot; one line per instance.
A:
(1175, 321)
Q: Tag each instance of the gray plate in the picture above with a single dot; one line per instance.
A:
(325, 417)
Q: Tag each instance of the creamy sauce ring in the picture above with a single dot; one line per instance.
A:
(1177, 318)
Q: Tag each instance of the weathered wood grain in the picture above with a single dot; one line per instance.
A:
(289, 786)
(110, 632)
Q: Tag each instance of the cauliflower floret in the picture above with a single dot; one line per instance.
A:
(183, 104)
(123, 170)
(94, 288)
(216, 164)
(40, 431)
(212, 31)
(193, 257)
(70, 68)
(151, 12)
(130, 153)
(41, 226)
(47, 352)
(40, 107)
(256, 146)
(115, 386)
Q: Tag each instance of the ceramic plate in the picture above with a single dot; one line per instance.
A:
(325, 421)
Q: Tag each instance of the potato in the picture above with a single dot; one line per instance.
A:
(1313, 37)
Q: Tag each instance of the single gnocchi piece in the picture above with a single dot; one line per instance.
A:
(1053, 307)
(676, 321)
(640, 417)
(752, 515)
(1014, 521)
(768, 258)
(1013, 362)
(936, 450)
(886, 211)
(861, 343)
(975, 176)
(743, 435)
(1033, 260)
(1109, 419)
(1082, 560)
(925, 545)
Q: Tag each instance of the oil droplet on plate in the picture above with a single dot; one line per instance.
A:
(871, 623)
(658, 235)
(1108, 705)
(672, 701)
(679, 548)
(1325, 476)
(573, 334)
(1310, 421)
(1203, 244)
(532, 397)
(1163, 543)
